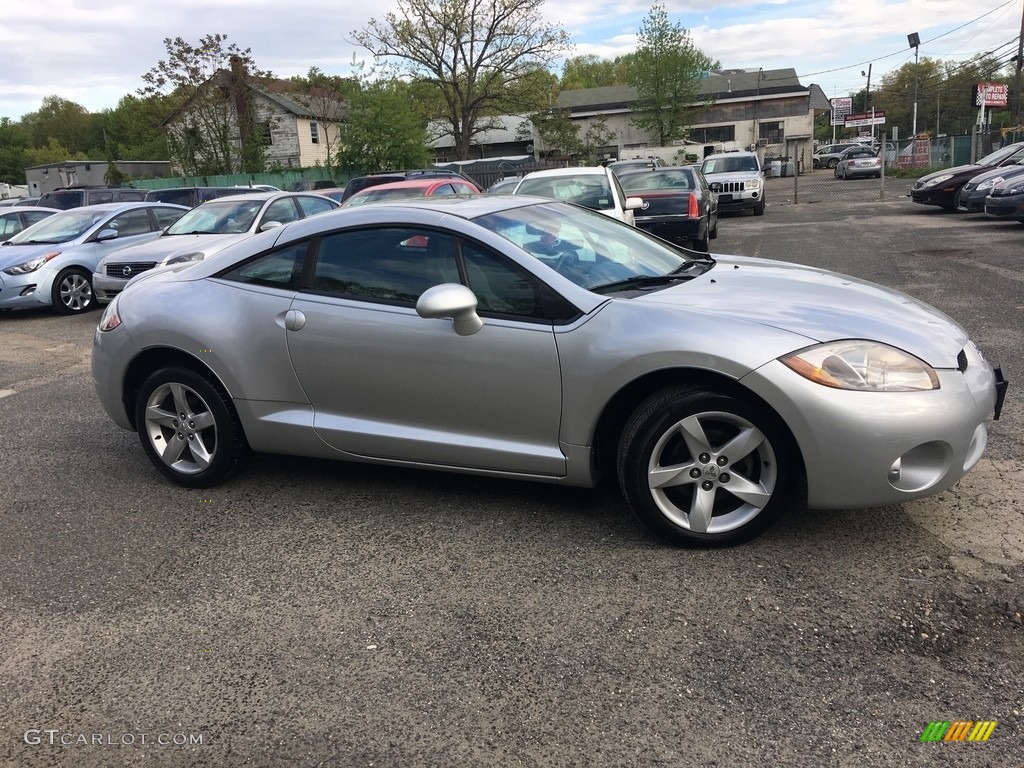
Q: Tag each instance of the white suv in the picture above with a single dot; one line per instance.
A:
(737, 180)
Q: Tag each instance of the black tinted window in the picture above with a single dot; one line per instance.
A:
(278, 269)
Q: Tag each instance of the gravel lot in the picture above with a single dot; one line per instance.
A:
(325, 614)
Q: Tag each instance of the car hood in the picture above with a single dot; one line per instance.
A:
(1006, 171)
(15, 254)
(956, 170)
(169, 246)
(731, 176)
(819, 305)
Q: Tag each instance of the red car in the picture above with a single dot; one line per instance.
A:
(414, 188)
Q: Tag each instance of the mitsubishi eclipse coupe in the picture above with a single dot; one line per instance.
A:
(718, 391)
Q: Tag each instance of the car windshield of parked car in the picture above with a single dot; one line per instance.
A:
(728, 164)
(591, 249)
(591, 191)
(218, 217)
(59, 228)
(376, 194)
(675, 178)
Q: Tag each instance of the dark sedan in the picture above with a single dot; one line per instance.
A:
(679, 205)
(941, 188)
(1006, 201)
(973, 194)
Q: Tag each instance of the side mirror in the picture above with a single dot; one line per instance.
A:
(106, 234)
(270, 225)
(634, 203)
(451, 300)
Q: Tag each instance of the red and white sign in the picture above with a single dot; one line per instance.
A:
(841, 107)
(991, 94)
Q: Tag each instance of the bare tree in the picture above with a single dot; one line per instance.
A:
(215, 128)
(325, 96)
(474, 52)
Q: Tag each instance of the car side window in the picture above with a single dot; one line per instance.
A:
(282, 210)
(95, 198)
(314, 204)
(391, 265)
(280, 268)
(503, 289)
(166, 216)
(131, 223)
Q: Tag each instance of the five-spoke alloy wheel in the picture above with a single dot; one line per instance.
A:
(703, 468)
(188, 428)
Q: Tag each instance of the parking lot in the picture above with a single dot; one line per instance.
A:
(310, 613)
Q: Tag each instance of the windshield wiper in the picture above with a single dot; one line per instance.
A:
(640, 281)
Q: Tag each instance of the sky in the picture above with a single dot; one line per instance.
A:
(93, 52)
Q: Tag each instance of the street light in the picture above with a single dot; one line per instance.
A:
(915, 42)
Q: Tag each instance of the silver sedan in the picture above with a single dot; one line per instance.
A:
(523, 338)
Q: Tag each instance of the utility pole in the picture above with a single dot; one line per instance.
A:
(1016, 76)
(915, 42)
(867, 91)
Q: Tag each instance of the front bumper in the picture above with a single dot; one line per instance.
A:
(105, 288)
(1005, 207)
(26, 291)
(895, 446)
(934, 196)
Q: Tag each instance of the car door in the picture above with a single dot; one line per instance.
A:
(387, 383)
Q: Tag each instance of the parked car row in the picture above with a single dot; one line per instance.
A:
(992, 185)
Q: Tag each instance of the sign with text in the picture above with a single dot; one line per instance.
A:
(857, 119)
(841, 107)
(991, 94)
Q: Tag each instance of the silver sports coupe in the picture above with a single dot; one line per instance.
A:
(525, 338)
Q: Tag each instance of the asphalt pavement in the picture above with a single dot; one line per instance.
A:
(311, 613)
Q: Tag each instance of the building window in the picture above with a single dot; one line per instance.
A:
(314, 132)
(713, 133)
(268, 137)
(770, 132)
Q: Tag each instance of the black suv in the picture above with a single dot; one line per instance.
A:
(75, 197)
(359, 183)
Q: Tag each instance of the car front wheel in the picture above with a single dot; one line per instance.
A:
(72, 292)
(700, 468)
(188, 428)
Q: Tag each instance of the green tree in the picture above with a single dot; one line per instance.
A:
(53, 152)
(592, 71)
(14, 141)
(473, 53)
(667, 71)
(380, 132)
(595, 139)
(61, 120)
(133, 130)
(216, 128)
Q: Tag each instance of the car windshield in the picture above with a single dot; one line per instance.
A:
(995, 158)
(590, 190)
(59, 228)
(375, 194)
(591, 249)
(728, 164)
(675, 178)
(218, 217)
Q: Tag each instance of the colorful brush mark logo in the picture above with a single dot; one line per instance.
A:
(958, 730)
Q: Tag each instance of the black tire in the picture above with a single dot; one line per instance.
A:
(832, 163)
(71, 292)
(759, 208)
(653, 446)
(713, 234)
(702, 244)
(178, 407)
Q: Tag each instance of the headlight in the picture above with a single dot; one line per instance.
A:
(110, 319)
(32, 264)
(938, 180)
(862, 365)
(989, 183)
(752, 184)
(184, 258)
(1016, 188)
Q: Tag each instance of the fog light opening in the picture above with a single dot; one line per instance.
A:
(28, 290)
(921, 467)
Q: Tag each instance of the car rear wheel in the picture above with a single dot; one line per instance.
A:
(72, 292)
(832, 163)
(188, 428)
(701, 468)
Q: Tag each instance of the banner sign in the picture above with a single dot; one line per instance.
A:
(857, 119)
(990, 94)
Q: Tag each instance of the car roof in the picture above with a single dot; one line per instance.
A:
(717, 155)
(26, 208)
(112, 208)
(411, 184)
